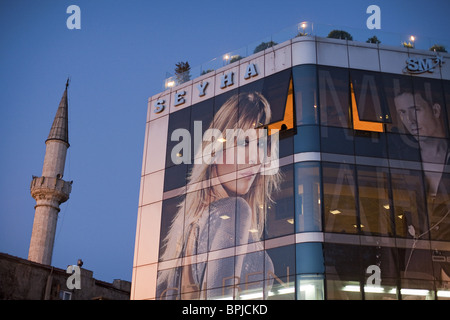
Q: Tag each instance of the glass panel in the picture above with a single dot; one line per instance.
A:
(172, 222)
(443, 291)
(438, 201)
(394, 86)
(403, 147)
(429, 106)
(276, 92)
(272, 93)
(179, 121)
(339, 197)
(251, 291)
(342, 260)
(309, 257)
(337, 140)
(310, 287)
(280, 212)
(370, 144)
(192, 280)
(283, 288)
(409, 201)
(378, 262)
(338, 289)
(417, 290)
(441, 265)
(221, 278)
(446, 85)
(201, 119)
(196, 220)
(249, 272)
(280, 272)
(373, 190)
(167, 289)
(334, 97)
(286, 146)
(415, 263)
(387, 290)
(308, 215)
(305, 88)
(283, 260)
(369, 96)
(307, 139)
(222, 222)
(175, 176)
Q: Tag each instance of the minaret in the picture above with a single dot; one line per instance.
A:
(50, 190)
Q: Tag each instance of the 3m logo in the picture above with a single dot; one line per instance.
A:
(416, 65)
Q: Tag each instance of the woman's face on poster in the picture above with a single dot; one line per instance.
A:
(418, 116)
(238, 176)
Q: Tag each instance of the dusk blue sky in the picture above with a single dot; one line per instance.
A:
(117, 60)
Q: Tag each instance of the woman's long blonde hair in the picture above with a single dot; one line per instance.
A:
(244, 110)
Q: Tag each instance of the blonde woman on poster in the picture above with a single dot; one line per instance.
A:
(224, 207)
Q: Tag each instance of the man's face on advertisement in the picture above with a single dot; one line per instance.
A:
(418, 116)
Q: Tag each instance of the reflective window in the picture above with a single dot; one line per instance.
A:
(249, 272)
(387, 290)
(343, 289)
(429, 107)
(309, 258)
(280, 211)
(280, 272)
(201, 119)
(305, 88)
(374, 206)
(343, 271)
(310, 287)
(370, 144)
(414, 263)
(417, 290)
(394, 87)
(446, 85)
(339, 191)
(334, 97)
(221, 281)
(179, 123)
(438, 203)
(307, 139)
(342, 260)
(403, 147)
(369, 95)
(175, 176)
(172, 223)
(337, 140)
(409, 202)
(307, 197)
(378, 259)
(441, 266)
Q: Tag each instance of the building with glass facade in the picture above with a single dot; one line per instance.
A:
(347, 198)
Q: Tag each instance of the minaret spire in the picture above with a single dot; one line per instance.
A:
(50, 190)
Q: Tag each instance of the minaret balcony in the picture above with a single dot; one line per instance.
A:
(50, 188)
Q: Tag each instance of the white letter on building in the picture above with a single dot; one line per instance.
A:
(375, 277)
(374, 21)
(250, 71)
(201, 88)
(74, 21)
(227, 80)
(179, 98)
(74, 281)
(181, 152)
(159, 106)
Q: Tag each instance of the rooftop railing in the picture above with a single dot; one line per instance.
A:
(307, 28)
